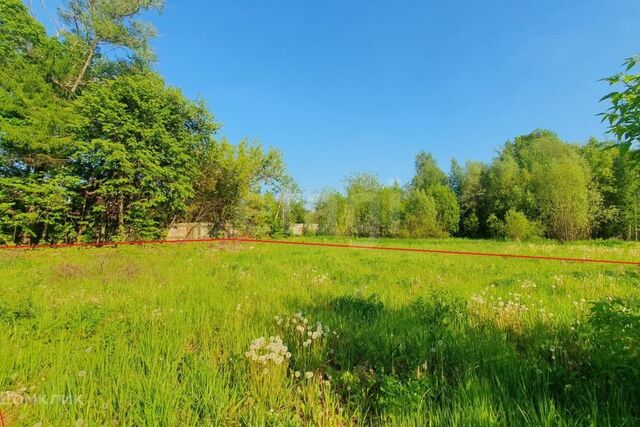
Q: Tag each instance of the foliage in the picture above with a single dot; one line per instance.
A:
(563, 191)
(125, 156)
(135, 142)
(20, 34)
(228, 185)
(427, 172)
(623, 116)
(518, 227)
(330, 213)
(447, 208)
(95, 146)
(428, 207)
(366, 209)
(33, 145)
(563, 199)
(97, 23)
(420, 216)
(545, 179)
(372, 209)
(617, 183)
(433, 182)
(468, 187)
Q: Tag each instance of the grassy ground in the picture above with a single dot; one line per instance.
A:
(169, 335)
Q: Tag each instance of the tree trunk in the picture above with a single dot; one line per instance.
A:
(25, 239)
(85, 67)
(121, 217)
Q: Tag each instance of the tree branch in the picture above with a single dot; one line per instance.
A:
(85, 66)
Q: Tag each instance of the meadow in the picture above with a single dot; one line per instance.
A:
(254, 334)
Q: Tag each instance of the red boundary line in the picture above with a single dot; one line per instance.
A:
(330, 245)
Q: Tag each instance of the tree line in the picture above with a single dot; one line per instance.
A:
(537, 186)
(95, 146)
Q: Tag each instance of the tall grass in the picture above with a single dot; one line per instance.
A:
(166, 335)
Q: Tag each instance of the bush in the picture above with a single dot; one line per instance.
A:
(518, 227)
(495, 226)
(421, 216)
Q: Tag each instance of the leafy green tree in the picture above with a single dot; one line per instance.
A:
(470, 193)
(97, 23)
(447, 208)
(564, 200)
(420, 216)
(427, 172)
(495, 226)
(6, 215)
(34, 145)
(628, 178)
(362, 204)
(330, 212)
(136, 143)
(367, 209)
(126, 156)
(545, 179)
(608, 171)
(391, 205)
(616, 179)
(257, 216)
(456, 177)
(505, 187)
(559, 183)
(299, 211)
(290, 206)
(623, 115)
(20, 34)
(228, 176)
(434, 183)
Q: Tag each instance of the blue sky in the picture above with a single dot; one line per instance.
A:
(345, 86)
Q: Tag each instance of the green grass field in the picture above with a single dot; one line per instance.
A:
(170, 335)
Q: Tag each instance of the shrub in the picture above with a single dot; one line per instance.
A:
(518, 227)
(495, 226)
(421, 216)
